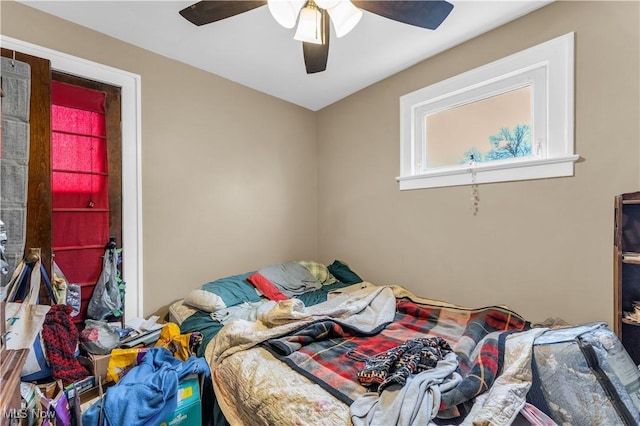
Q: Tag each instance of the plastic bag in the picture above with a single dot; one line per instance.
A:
(59, 283)
(74, 298)
(98, 337)
(67, 294)
(123, 360)
(106, 299)
(53, 401)
(182, 346)
(44, 404)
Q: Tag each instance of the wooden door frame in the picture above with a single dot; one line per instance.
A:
(130, 85)
(39, 232)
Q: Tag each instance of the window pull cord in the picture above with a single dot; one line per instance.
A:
(475, 195)
(91, 203)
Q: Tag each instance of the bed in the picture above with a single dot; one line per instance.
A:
(301, 343)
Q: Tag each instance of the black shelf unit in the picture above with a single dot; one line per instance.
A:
(626, 253)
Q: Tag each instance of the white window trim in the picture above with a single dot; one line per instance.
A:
(131, 156)
(550, 64)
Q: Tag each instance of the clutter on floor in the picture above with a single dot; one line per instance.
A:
(96, 380)
(100, 372)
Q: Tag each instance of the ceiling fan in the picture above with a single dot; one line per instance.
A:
(313, 18)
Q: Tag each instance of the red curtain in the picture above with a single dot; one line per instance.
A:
(79, 184)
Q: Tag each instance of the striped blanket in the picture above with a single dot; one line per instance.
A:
(329, 343)
(331, 354)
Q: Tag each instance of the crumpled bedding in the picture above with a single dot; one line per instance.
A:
(508, 394)
(398, 364)
(414, 403)
(291, 278)
(251, 385)
(244, 391)
(366, 309)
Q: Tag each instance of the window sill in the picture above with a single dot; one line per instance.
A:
(491, 172)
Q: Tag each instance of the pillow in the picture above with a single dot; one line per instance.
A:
(290, 278)
(204, 300)
(319, 271)
(233, 290)
(266, 287)
(343, 273)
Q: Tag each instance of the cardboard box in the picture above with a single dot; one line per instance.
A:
(97, 365)
(81, 387)
(100, 366)
(189, 409)
(89, 398)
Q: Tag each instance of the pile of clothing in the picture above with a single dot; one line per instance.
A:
(147, 394)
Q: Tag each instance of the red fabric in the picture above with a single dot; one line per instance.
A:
(79, 184)
(75, 191)
(82, 266)
(266, 287)
(81, 228)
(77, 121)
(81, 153)
(77, 97)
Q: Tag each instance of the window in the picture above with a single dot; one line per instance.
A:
(131, 212)
(509, 120)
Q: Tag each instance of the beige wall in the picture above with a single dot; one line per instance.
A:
(542, 247)
(228, 174)
(228, 187)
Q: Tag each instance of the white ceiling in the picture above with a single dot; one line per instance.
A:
(253, 50)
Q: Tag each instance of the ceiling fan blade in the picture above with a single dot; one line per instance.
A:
(205, 12)
(315, 55)
(423, 13)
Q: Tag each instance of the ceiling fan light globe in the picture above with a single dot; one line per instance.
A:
(309, 26)
(327, 4)
(285, 12)
(345, 16)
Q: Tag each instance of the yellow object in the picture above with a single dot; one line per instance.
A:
(171, 339)
(185, 393)
(123, 360)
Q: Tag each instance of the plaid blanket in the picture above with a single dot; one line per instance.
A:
(332, 355)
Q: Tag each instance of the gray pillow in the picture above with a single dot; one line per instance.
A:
(290, 278)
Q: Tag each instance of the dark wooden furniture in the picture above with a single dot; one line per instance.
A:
(626, 271)
(11, 362)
